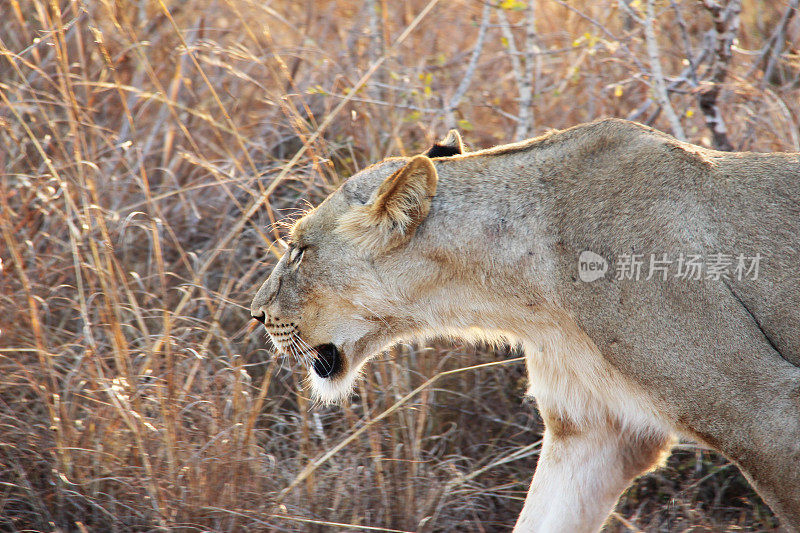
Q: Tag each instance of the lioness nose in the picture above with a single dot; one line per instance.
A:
(259, 315)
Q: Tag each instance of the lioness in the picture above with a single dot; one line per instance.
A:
(551, 243)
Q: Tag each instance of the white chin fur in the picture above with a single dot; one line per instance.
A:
(332, 391)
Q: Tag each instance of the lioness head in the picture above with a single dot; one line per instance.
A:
(352, 275)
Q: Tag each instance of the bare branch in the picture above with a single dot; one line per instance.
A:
(626, 7)
(526, 71)
(684, 77)
(608, 33)
(513, 53)
(531, 57)
(775, 46)
(659, 86)
(687, 44)
(473, 63)
(726, 26)
(376, 46)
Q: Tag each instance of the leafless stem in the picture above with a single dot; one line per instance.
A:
(526, 87)
(525, 70)
(687, 44)
(375, 43)
(473, 63)
(659, 86)
(726, 26)
(775, 46)
(513, 52)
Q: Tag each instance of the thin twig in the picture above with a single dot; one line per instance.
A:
(526, 81)
(449, 109)
(691, 72)
(726, 26)
(772, 50)
(659, 86)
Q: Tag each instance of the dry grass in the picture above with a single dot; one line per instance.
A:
(146, 150)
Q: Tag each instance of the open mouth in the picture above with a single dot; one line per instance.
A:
(328, 360)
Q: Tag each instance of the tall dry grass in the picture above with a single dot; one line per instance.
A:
(149, 147)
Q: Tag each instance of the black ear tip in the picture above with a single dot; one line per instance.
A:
(441, 150)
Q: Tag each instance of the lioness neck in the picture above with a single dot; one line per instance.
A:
(492, 257)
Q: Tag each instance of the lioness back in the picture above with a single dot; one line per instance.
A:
(645, 191)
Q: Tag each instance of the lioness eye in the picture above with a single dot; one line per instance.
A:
(296, 254)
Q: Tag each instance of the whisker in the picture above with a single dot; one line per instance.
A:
(298, 355)
(326, 365)
(295, 345)
(311, 353)
(291, 350)
(310, 349)
(304, 344)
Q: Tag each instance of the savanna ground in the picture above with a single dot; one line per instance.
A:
(149, 148)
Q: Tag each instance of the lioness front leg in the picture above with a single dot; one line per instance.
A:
(581, 473)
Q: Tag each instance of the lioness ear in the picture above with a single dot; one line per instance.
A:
(396, 208)
(450, 145)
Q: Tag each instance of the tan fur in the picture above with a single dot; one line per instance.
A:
(485, 246)
(399, 205)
